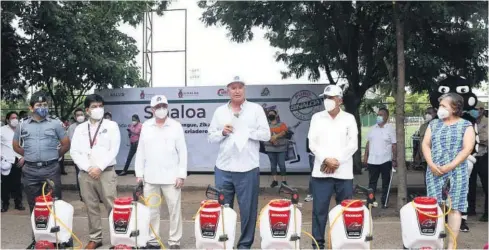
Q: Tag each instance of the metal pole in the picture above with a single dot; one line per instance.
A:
(185, 47)
(152, 48)
(144, 46)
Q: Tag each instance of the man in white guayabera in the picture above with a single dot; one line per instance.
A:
(161, 163)
(333, 141)
(239, 126)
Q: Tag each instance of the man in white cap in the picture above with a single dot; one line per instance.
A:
(333, 141)
(239, 126)
(161, 163)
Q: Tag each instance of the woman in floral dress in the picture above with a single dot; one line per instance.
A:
(447, 143)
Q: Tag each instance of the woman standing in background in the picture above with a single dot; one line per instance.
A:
(277, 146)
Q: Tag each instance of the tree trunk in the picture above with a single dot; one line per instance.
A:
(352, 105)
(401, 163)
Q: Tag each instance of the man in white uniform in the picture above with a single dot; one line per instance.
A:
(94, 149)
(239, 126)
(380, 153)
(333, 141)
(161, 163)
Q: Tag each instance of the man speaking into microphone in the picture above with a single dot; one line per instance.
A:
(239, 126)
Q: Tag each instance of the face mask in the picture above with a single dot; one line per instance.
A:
(134, 122)
(329, 105)
(42, 112)
(161, 113)
(80, 119)
(428, 117)
(474, 113)
(14, 122)
(271, 117)
(443, 113)
(97, 113)
(380, 119)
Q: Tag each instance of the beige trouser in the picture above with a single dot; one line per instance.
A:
(94, 191)
(172, 197)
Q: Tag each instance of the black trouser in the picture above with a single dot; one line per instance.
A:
(77, 181)
(374, 172)
(12, 186)
(132, 151)
(480, 169)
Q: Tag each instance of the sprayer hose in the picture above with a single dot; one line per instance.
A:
(452, 235)
(59, 220)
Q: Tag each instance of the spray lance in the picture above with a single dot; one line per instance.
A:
(214, 194)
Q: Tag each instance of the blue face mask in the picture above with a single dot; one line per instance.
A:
(380, 119)
(42, 112)
(474, 113)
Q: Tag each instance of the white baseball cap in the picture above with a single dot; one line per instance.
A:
(158, 99)
(332, 90)
(236, 80)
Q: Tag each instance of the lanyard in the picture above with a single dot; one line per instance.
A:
(96, 133)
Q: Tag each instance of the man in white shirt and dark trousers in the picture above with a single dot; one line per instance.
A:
(94, 149)
(380, 153)
(239, 126)
(161, 163)
(333, 141)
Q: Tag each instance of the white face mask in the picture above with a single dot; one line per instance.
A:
(161, 113)
(443, 113)
(428, 117)
(134, 122)
(14, 122)
(97, 113)
(329, 105)
(80, 118)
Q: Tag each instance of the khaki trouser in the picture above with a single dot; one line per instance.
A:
(172, 197)
(93, 191)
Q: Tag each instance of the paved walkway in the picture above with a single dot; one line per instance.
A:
(301, 182)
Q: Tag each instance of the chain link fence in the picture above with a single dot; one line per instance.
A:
(413, 118)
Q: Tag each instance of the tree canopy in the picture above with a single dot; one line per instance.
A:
(68, 48)
(357, 40)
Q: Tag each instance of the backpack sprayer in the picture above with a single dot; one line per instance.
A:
(422, 222)
(215, 222)
(129, 221)
(44, 221)
(355, 227)
(280, 222)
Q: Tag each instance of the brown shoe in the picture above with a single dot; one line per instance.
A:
(174, 247)
(93, 245)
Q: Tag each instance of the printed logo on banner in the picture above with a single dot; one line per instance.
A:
(116, 94)
(182, 93)
(265, 92)
(304, 104)
(222, 92)
(145, 96)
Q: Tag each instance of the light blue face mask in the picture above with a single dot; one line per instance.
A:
(474, 113)
(380, 119)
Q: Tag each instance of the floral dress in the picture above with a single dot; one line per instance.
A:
(446, 143)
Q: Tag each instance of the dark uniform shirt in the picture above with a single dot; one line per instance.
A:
(40, 139)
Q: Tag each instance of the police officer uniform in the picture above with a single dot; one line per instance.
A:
(40, 141)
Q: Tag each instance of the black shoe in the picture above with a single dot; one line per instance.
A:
(122, 173)
(64, 173)
(151, 246)
(4, 208)
(463, 227)
(274, 184)
(20, 207)
(285, 183)
(174, 247)
(32, 245)
(384, 206)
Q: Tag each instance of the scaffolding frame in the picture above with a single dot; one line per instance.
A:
(148, 50)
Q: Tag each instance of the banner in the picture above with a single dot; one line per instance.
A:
(194, 107)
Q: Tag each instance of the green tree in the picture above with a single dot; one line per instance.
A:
(357, 40)
(70, 48)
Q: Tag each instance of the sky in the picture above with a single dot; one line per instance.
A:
(209, 52)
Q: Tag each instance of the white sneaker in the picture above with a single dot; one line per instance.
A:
(308, 198)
